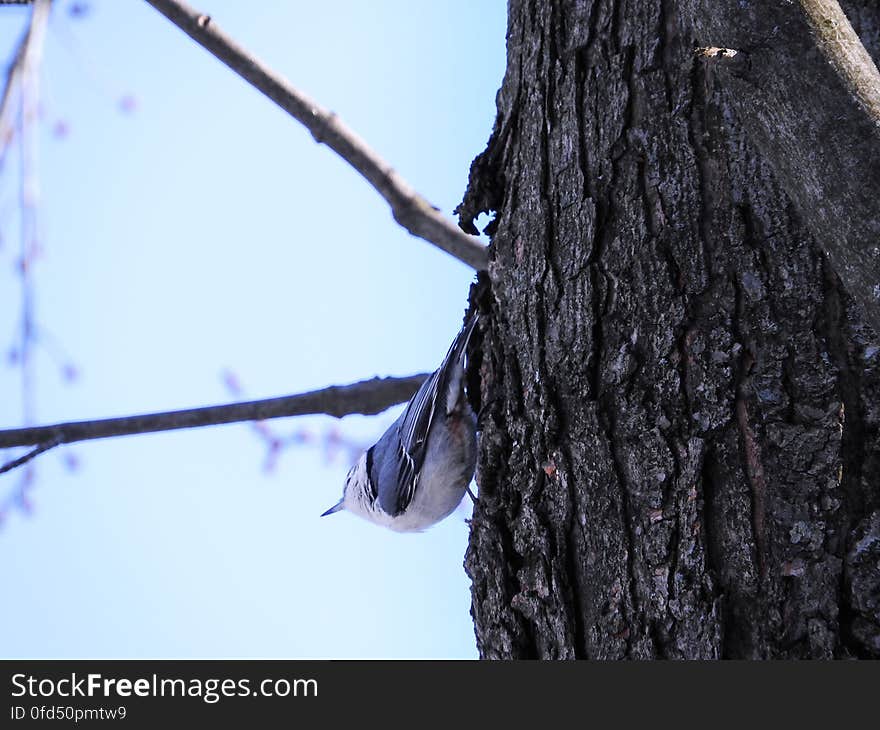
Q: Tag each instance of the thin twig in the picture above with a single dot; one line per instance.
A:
(31, 61)
(366, 397)
(13, 72)
(9, 466)
(23, 76)
(409, 209)
(33, 33)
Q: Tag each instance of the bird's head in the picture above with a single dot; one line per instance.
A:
(355, 489)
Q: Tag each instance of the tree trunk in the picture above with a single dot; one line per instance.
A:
(679, 449)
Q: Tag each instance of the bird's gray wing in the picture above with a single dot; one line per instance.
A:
(415, 424)
(396, 493)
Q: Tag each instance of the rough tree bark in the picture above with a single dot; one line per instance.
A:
(680, 416)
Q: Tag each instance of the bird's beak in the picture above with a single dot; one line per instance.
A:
(335, 508)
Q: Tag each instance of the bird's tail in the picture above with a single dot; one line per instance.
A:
(452, 369)
(460, 343)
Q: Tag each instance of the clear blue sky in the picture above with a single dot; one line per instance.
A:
(207, 231)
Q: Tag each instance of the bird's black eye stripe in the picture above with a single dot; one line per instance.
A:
(374, 493)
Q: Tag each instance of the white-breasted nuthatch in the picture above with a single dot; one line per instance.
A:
(417, 472)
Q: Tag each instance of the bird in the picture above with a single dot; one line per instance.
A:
(416, 474)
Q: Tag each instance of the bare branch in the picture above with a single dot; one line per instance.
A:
(366, 397)
(22, 460)
(409, 209)
(845, 52)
